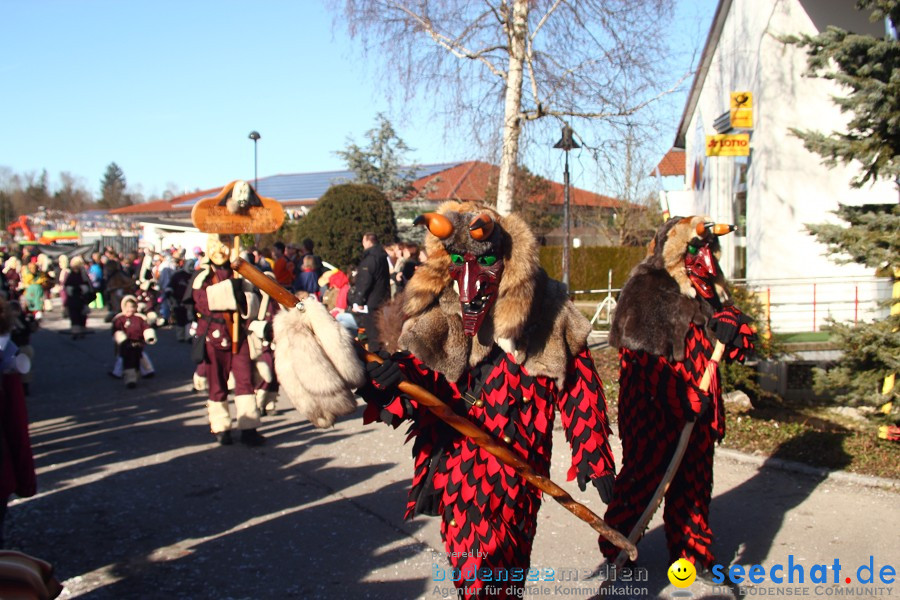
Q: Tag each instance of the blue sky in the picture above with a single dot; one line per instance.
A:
(170, 91)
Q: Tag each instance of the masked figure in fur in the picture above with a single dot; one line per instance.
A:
(481, 326)
(671, 311)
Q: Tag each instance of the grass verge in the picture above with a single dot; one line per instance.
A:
(812, 435)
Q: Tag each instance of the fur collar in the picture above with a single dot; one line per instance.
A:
(551, 331)
(658, 302)
(532, 318)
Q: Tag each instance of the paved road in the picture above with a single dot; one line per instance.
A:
(136, 501)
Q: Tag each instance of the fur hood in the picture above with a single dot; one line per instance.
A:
(658, 302)
(532, 317)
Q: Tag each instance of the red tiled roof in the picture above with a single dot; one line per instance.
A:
(673, 163)
(469, 181)
(164, 205)
(144, 207)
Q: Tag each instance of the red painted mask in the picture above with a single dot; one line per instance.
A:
(478, 278)
(702, 268)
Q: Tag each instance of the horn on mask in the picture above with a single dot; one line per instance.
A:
(439, 225)
(715, 228)
(481, 227)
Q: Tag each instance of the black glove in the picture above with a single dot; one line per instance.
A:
(385, 375)
(697, 409)
(732, 328)
(604, 485)
(725, 325)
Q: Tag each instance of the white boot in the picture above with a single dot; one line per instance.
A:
(247, 412)
(271, 402)
(199, 383)
(219, 421)
(261, 402)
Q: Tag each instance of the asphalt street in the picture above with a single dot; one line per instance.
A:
(137, 501)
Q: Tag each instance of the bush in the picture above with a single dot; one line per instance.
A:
(339, 219)
(745, 377)
(589, 266)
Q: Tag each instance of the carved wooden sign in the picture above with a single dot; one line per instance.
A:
(237, 209)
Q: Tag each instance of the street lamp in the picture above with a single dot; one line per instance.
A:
(565, 144)
(254, 135)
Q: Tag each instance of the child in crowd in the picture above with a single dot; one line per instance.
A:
(130, 332)
(308, 280)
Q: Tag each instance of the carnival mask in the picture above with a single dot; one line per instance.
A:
(699, 261)
(702, 268)
(478, 281)
(476, 264)
(217, 249)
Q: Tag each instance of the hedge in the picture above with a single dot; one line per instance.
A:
(589, 266)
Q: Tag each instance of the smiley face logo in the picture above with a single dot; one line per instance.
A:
(682, 573)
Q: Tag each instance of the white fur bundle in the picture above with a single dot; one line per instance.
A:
(316, 362)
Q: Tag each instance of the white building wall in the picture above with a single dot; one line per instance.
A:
(787, 186)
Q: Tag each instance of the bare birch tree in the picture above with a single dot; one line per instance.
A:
(500, 64)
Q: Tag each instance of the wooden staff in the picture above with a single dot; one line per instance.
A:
(235, 326)
(425, 398)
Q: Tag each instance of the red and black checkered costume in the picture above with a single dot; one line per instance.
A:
(510, 384)
(661, 327)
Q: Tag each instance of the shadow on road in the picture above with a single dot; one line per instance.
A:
(136, 501)
(745, 520)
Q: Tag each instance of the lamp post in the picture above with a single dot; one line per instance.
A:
(254, 135)
(565, 144)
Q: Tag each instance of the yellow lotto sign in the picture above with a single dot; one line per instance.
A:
(742, 110)
(728, 144)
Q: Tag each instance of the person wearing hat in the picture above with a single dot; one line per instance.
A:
(131, 331)
(218, 300)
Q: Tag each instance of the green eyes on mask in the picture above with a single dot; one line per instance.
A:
(485, 261)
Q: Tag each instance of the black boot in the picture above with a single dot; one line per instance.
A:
(251, 437)
(224, 438)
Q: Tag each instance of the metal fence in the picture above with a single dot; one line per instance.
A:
(790, 304)
(806, 304)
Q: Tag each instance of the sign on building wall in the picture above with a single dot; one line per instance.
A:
(742, 110)
(724, 144)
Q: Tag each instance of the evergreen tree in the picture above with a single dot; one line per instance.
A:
(867, 66)
(870, 351)
(113, 188)
(342, 215)
(380, 163)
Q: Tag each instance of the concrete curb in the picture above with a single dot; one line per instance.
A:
(795, 467)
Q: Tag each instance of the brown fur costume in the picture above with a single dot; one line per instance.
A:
(658, 302)
(532, 317)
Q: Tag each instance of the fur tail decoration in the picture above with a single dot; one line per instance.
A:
(316, 363)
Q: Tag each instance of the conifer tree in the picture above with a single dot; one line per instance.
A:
(340, 218)
(113, 188)
(867, 66)
(380, 162)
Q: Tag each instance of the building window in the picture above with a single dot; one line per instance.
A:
(739, 215)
